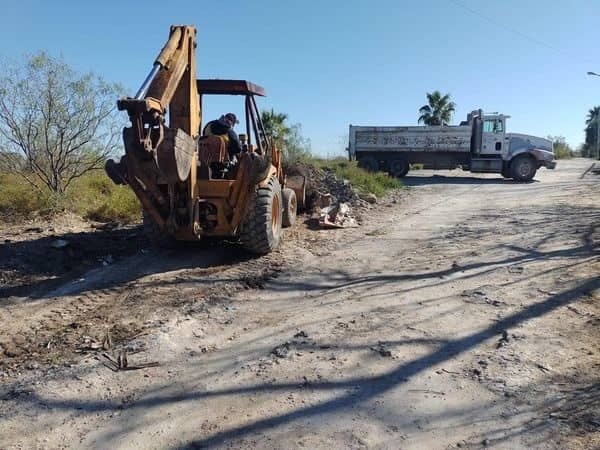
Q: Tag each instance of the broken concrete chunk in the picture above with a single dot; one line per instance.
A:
(337, 216)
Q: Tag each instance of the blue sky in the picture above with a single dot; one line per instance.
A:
(331, 64)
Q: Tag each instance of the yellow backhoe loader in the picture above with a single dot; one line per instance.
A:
(188, 184)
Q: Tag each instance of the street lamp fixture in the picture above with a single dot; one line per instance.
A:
(597, 125)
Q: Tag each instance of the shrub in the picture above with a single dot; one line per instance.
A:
(562, 150)
(95, 197)
(19, 200)
(377, 183)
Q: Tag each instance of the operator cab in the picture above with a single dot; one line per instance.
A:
(214, 161)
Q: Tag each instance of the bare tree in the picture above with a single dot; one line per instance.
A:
(55, 124)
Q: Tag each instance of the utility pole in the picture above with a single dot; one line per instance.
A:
(597, 135)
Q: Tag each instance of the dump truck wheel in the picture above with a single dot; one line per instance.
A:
(158, 238)
(399, 167)
(261, 231)
(368, 163)
(523, 168)
(506, 172)
(290, 207)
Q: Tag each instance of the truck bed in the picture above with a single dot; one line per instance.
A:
(413, 139)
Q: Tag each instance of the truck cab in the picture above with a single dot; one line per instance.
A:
(514, 155)
(494, 140)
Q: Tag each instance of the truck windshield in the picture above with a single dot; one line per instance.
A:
(493, 126)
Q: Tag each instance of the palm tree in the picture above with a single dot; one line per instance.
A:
(592, 115)
(592, 125)
(275, 126)
(438, 111)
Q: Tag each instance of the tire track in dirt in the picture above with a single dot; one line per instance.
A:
(75, 318)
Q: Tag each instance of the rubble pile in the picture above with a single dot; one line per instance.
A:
(341, 189)
(332, 201)
(324, 182)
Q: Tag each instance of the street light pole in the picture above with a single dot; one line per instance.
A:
(597, 123)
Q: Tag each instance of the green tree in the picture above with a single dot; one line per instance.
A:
(438, 110)
(285, 136)
(55, 124)
(591, 130)
(562, 150)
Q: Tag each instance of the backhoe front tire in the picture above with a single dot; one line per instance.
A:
(261, 231)
(290, 207)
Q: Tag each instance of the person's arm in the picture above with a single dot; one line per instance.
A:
(234, 143)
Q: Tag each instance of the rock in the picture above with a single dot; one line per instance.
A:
(503, 340)
(301, 334)
(12, 351)
(323, 200)
(107, 260)
(369, 198)
(281, 351)
(382, 350)
(19, 339)
(59, 243)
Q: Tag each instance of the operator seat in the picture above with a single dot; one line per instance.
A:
(212, 157)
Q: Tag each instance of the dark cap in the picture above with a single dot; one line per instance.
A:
(231, 117)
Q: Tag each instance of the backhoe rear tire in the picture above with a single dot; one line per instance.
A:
(261, 231)
(290, 207)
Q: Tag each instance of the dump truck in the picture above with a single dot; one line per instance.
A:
(480, 144)
(188, 184)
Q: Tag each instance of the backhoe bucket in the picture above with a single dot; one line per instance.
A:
(175, 154)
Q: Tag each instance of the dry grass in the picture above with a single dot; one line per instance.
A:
(377, 183)
(93, 196)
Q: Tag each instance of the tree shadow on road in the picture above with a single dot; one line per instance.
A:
(35, 268)
(355, 390)
(468, 180)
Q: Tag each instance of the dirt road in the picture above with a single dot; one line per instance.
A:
(464, 315)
